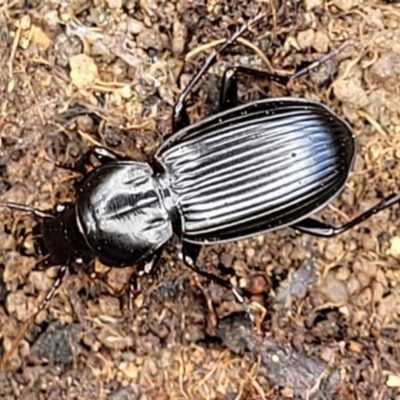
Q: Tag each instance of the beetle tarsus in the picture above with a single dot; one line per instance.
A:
(321, 61)
(321, 229)
(60, 164)
(190, 253)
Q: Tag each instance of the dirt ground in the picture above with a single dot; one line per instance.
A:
(79, 73)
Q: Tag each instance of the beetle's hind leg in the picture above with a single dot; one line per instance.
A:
(190, 253)
(321, 229)
(229, 91)
(180, 117)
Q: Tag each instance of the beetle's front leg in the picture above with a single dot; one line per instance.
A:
(56, 284)
(321, 229)
(148, 267)
(190, 253)
(101, 153)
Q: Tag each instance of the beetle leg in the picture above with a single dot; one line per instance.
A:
(23, 207)
(229, 97)
(321, 229)
(104, 155)
(322, 60)
(149, 267)
(190, 254)
(132, 290)
(229, 91)
(101, 153)
(180, 118)
(57, 283)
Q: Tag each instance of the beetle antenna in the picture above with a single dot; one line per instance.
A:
(23, 207)
(56, 284)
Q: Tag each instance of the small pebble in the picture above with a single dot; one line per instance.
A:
(321, 42)
(256, 284)
(394, 249)
(393, 381)
(65, 47)
(351, 92)
(334, 290)
(149, 39)
(312, 4)
(110, 306)
(353, 285)
(52, 20)
(130, 370)
(134, 26)
(345, 5)
(343, 273)
(250, 252)
(333, 249)
(114, 341)
(179, 38)
(305, 39)
(364, 298)
(84, 70)
(115, 4)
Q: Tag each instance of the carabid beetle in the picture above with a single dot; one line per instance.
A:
(248, 170)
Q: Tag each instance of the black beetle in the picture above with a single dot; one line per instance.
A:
(245, 171)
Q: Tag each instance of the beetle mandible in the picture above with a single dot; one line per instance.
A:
(245, 171)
